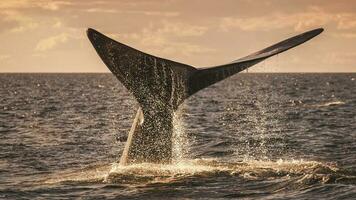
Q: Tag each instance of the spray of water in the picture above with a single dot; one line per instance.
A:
(180, 140)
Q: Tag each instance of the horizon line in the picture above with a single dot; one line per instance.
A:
(292, 72)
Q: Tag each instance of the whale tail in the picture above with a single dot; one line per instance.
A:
(161, 85)
(153, 79)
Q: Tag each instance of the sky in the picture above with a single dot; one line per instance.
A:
(50, 35)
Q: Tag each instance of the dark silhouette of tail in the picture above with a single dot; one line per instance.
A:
(160, 86)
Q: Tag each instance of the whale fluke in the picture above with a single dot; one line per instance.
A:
(210, 75)
(161, 85)
(152, 80)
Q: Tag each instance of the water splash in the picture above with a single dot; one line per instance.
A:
(180, 139)
(299, 171)
(262, 126)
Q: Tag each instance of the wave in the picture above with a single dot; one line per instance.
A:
(295, 171)
(325, 104)
(331, 103)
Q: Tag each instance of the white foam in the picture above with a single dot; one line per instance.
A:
(149, 172)
(332, 103)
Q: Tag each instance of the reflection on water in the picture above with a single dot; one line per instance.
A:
(253, 136)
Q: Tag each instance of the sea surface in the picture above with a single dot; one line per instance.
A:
(252, 136)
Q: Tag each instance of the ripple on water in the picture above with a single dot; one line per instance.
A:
(60, 123)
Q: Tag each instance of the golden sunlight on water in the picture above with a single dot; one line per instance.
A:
(150, 173)
(260, 136)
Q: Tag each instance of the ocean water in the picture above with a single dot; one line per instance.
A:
(252, 136)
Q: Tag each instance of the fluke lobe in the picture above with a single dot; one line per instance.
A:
(161, 85)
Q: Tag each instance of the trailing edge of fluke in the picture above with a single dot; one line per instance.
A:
(161, 85)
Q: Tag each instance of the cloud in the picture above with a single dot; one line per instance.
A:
(100, 10)
(44, 4)
(51, 5)
(132, 12)
(10, 4)
(344, 35)
(4, 57)
(51, 42)
(20, 21)
(157, 13)
(341, 58)
(58, 24)
(165, 39)
(174, 29)
(15, 12)
(346, 21)
(313, 17)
